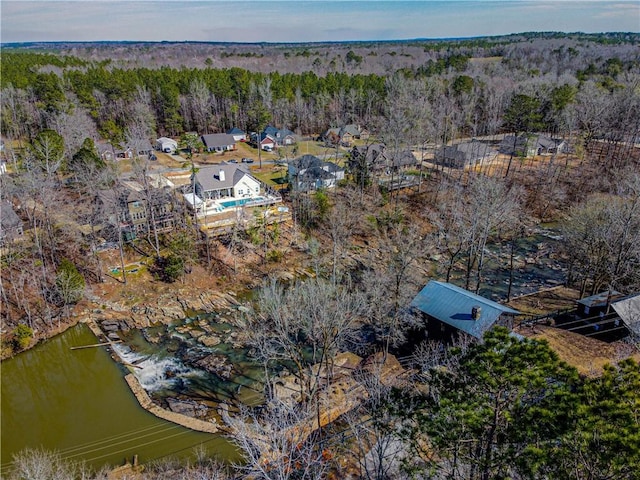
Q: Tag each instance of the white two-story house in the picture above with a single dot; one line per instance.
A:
(225, 181)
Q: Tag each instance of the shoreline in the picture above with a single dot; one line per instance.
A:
(183, 420)
(145, 400)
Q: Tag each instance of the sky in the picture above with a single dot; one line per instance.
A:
(304, 21)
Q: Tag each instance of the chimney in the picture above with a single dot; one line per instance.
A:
(475, 312)
(221, 175)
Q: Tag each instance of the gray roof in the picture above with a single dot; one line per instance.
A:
(374, 155)
(511, 143)
(218, 140)
(404, 158)
(263, 136)
(629, 311)
(371, 151)
(548, 143)
(519, 145)
(8, 217)
(599, 299)
(277, 133)
(332, 167)
(351, 129)
(209, 177)
(316, 173)
(452, 305)
(235, 130)
(465, 152)
(306, 161)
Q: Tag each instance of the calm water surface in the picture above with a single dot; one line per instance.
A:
(76, 402)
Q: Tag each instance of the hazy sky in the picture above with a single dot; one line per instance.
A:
(300, 21)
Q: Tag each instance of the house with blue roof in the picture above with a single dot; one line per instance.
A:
(238, 135)
(282, 136)
(449, 310)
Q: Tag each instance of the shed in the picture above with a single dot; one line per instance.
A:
(446, 305)
(593, 305)
(629, 311)
(166, 145)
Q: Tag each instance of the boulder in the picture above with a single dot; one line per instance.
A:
(189, 408)
(209, 340)
(196, 333)
(215, 364)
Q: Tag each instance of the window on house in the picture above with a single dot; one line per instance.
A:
(239, 191)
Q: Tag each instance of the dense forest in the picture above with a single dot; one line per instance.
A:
(464, 87)
(503, 407)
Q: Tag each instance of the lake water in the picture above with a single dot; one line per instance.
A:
(77, 403)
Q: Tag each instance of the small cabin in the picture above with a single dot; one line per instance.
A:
(595, 304)
(166, 145)
(599, 316)
(448, 310)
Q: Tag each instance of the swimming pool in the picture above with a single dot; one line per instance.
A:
(241, 201)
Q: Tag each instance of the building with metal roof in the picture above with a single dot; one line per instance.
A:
(629, 311)
(446, 306)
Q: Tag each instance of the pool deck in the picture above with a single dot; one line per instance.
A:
(215, 207)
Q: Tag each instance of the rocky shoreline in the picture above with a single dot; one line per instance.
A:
(113, 317)
(166, 309)
(145, 402)
(210, 426)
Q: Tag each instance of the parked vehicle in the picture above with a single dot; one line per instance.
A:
(247, 160)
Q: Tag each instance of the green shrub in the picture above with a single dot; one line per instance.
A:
(69, 282)
(22, 336)
(275, 256)
(170, 268)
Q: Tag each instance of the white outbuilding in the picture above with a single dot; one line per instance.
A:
(166, 145)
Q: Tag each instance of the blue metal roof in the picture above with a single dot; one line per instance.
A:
(452, 305)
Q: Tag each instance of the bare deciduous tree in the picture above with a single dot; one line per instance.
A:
(275, 443)
(603, 237)
(491, 203)
(305, 324)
